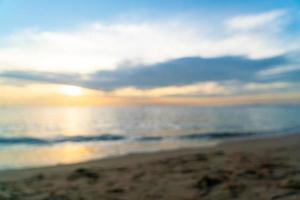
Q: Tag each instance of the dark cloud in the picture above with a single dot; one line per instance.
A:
(183, 71)
(177, 72)
(43, 77)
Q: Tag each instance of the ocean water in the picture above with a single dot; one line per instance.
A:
(42, 136)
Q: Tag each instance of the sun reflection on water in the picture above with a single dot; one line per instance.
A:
(74, 120)
(50, 155)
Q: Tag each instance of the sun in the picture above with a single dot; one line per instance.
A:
(71, 90)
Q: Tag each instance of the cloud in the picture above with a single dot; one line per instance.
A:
(99, 46)
(176, 72)
(245, 55)
(248, 22)
(284, 72)
(280, 70)
(204, 89)
(211, 88)
(190, 76)
(267, 86)
(46, 77)
(182, 71)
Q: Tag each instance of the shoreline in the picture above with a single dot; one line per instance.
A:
(163, 168)
(233, 144)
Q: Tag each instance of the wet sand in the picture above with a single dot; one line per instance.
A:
(267, 169)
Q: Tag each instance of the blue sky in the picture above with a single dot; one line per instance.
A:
(58, 14)
(219, 47)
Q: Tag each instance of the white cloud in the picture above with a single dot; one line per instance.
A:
(210, 88)
(279, 70)
(267, 86)
(101, 46)
(96, 47)
(247, 22)
(204, 88)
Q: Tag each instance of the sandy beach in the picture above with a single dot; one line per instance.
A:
(266, 168)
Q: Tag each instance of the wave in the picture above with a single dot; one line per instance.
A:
(218, 135)
(112, 138)
(23, 140)
(150, 138)
(74, 139)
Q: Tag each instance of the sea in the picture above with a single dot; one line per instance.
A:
(47, 136)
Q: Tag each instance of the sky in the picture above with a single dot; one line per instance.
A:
(136, 52)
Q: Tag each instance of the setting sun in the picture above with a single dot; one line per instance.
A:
(70, 90)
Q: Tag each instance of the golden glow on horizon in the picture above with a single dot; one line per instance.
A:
(67, 95)
(70, 90)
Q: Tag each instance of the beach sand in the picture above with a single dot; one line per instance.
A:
(254, 169)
